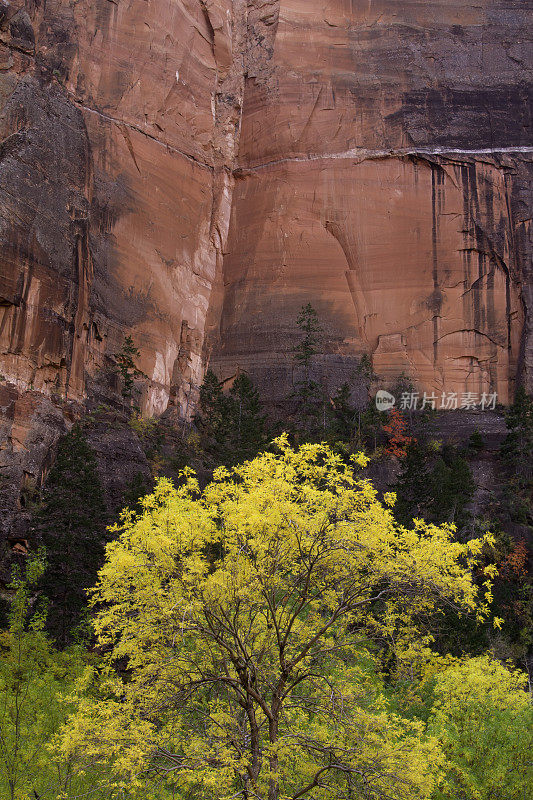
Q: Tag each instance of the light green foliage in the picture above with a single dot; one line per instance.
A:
(484, 719)
(236, 613)
(32, 676)
(144, 427)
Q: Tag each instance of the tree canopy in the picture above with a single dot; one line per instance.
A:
(239, 623)
(484, 719)
(33, 677)
(232, 425)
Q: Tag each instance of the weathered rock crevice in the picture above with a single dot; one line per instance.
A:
(364, 154)
(128, 125)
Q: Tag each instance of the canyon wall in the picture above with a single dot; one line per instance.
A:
(114, 172)
(118, 122)
(383, 174)
(191, 172)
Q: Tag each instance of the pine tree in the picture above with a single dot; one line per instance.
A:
(127, 367)
(214, 419)
(475, 441)
(441, 504)
(437, 490)
(308, 394)
(231, 425)
(343, 423)
(248, 424)
(370, 426)
(413, 487)
(517, 449)
(311, 328)
(135, 490)
(365, 368)
(517, 457)
(71, 525)
(460, 488)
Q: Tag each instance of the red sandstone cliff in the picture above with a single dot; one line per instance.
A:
(193, 171)
(382, 174)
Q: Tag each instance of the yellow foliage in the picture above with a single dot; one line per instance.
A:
(242, 614)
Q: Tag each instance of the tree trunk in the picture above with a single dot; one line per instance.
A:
(273, 730)
(273, 784)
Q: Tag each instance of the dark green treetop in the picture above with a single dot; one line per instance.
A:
(127, 367)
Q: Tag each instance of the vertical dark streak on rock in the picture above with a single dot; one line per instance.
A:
(20, 318)
(514, 271)
(489, 305)
(83, 270)
(75, 307)
(467, 222)
(477, 234)
(434, 236)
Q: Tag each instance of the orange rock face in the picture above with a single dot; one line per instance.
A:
(118, 122)
(415, 281)
(192, 172)
(382, 156)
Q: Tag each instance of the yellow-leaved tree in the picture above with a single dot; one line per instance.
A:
(236, 622)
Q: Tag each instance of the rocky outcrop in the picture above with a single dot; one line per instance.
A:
(30, 425)
(192, 172)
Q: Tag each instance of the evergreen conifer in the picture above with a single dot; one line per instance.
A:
(517, 449)
(248, 423)
(71, 526)
(308, 394)
(127, 368)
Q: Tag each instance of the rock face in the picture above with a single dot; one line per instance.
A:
(112, 188)
(193, 171)
(117, 127)
(382, 176)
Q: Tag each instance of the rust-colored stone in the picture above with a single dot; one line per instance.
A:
(193, 172)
